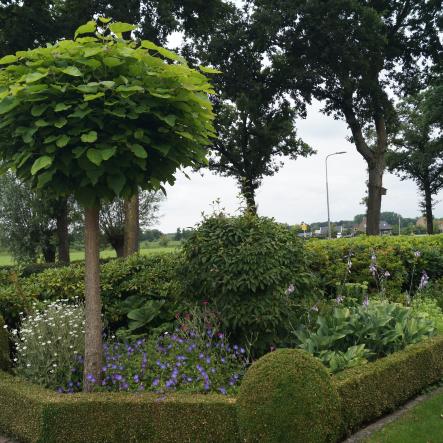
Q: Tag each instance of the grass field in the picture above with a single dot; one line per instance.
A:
(146, 249)
(422, 424)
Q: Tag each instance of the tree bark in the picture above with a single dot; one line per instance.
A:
(62, 232)
(428, 211)
(248, 192)
(48, 251)
(93, 327)
(118, 243)
(131, 242)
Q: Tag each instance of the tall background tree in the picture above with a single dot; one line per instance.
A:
(349, 54)
(255, 122)
(112, 218)
(417, 151)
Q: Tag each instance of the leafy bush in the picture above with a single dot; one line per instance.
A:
(195, 358)
(4, 347)
(428, 308)
(350, 336)
(252, 270)
(396, 255)
(126, 285)
(287, 395)
(48, 343)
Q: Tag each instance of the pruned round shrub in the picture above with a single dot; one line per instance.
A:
(287, 395)
(252, 270)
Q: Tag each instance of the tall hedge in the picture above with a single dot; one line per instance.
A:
(328, 260)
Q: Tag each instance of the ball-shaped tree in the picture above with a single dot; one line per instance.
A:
(100, 116)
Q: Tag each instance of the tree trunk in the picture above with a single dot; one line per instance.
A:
(62, 232)
(248, 192)
(131, 242)
(93, 327)
(118, 243)
(48, 251)
(428, 211)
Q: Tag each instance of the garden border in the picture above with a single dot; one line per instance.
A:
(35, 415)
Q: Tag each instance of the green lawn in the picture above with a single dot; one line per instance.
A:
(422, 424)
(6, 259)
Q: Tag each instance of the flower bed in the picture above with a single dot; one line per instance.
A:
(33, 414)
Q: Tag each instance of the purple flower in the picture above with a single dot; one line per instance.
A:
(118, 377)
(222, 390)
(423, 281)
(155, 382)
(136, 378)
(91, 378)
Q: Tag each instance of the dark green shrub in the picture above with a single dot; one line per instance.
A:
(4, 347)
(328, 260)
(287, 395)
(141, 277)
(370, 391)
(243, 267)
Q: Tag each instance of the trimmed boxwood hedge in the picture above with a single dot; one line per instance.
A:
(35, 415)
(370, 391)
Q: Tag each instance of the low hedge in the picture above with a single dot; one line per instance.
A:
(35, 415)
(370, 391)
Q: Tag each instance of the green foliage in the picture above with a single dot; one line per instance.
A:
(329, 261)
(125, 285)
(252, 270)
(33, 414)
(429, 308)
(373, 390)
(4, 347)
(49, 343)
(101, 115)
(349, 336)
(288, 396)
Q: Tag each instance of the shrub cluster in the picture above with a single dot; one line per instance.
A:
(404, 258)
(252, 270)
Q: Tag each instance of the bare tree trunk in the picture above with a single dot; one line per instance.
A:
(62, 232)
(118, 243)
(93, 327)
(428, 211)
(248, 192)
(131, 226)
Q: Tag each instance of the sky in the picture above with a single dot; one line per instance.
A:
(297, 192)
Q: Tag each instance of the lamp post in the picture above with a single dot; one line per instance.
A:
(327, 189)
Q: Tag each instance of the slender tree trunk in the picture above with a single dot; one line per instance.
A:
(93, 327)
(376, 168)
(118, 243)
(248, 192)
(48, 251)
(62, 232)
(132, 226)
(428, 211)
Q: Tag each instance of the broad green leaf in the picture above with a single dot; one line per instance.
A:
(89, 52)
(62, 141)
(8, 104)
(119, 27)
(35, 76)
(41, 163)
(89, 137)
(108, 152)
(38, 110)
(116, 183)
(107, 83)
(40, 123)
(89, 97)
(94, 156)
(73, 71)
(59, 123)
(7, 59)
(61, 107)
(138, 151)
(80, 113)
(104, 19)
(111, 62)
(86, 28)
(209, 70)
(45, 178)
(138, 134)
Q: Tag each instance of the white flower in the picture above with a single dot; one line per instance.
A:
(28, 365)
(5, 327)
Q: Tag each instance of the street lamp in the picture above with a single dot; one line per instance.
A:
(327, 189)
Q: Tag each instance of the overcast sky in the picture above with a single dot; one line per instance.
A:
(297, 192)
